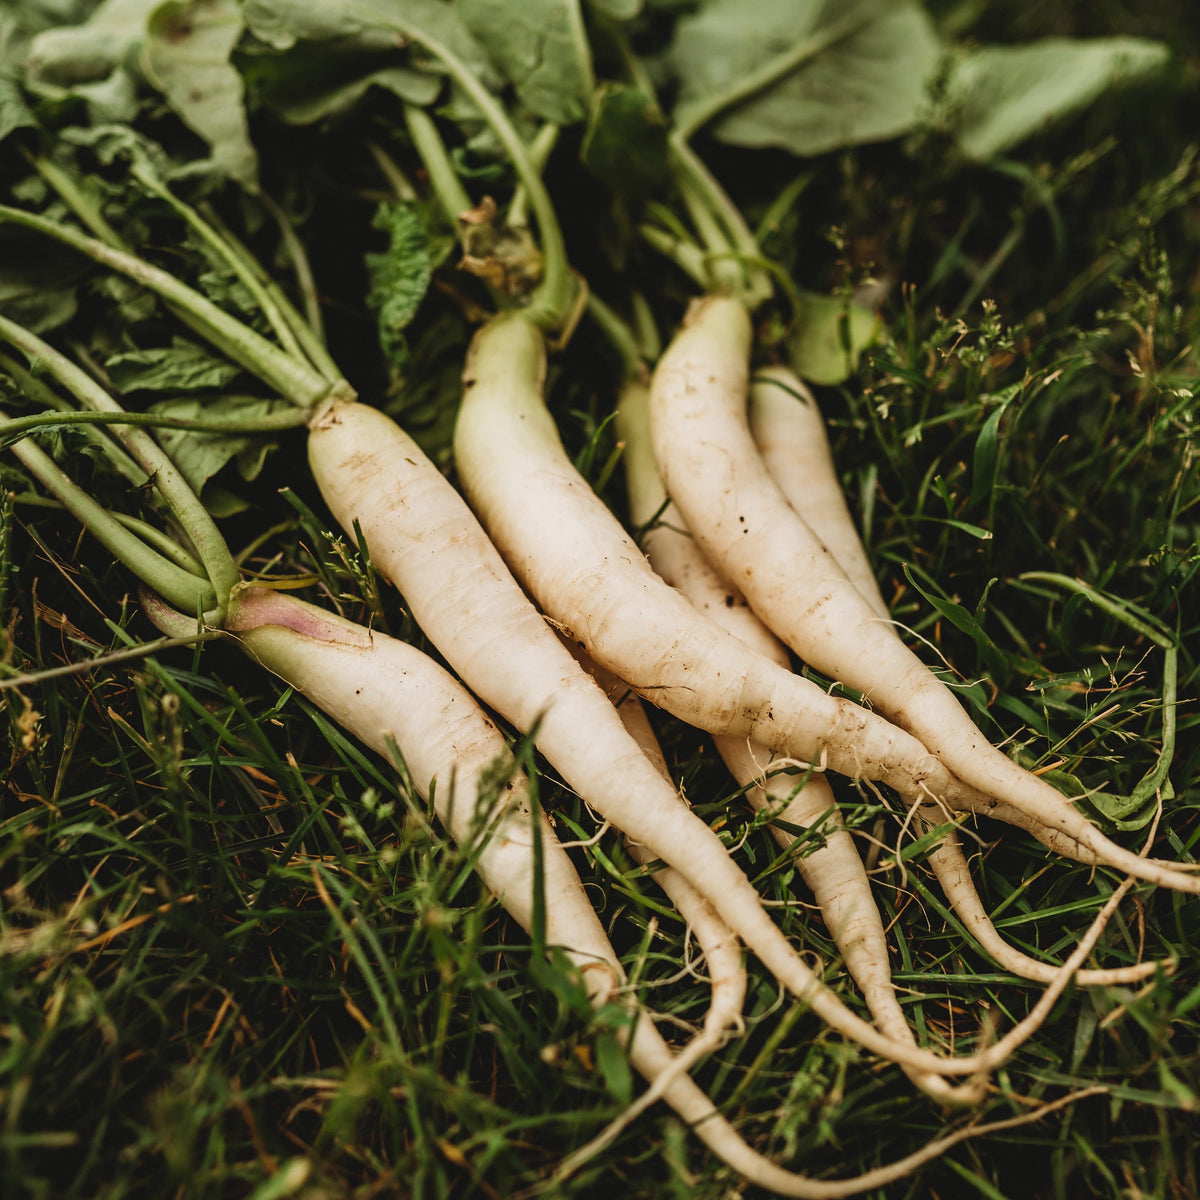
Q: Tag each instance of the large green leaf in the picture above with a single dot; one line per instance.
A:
(833, 74)
(181, 47)
(68, 55)
(1000, 95)
(617, 10)
(540, 47)
(186, 56)
(367, 25)
(91, 60)
(311, 82)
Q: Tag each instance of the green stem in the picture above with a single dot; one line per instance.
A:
(583, 47)
(451, 196)
(540, 150)
(18, 427)
(225, 253)
(694, 117)
(38, 391)
(289, 326)
(80, 201)
(308, 331)
(687, 256)
(631, 64)
(690, 166)
(295, 380)
(551, 302)
(33, 678)
(725, 274)
(400, 184)
(306, 281)
(619, 335)
(177, 585)
(168, 481)
(166, 546)
(645, 328)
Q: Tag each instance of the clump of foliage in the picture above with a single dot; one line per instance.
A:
(239, 958)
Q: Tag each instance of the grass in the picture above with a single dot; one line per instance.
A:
(238, 959)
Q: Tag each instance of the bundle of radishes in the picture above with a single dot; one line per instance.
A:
(552, 615)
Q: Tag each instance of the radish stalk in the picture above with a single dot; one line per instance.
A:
(746, 528)
(34, 388)
(293, 378)
(168, 482)
(174, 581)
(15, 428)
(451, 195)
(551, 302)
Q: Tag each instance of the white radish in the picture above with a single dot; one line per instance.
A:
(597, 586)
(750, 533)
(567, 545)
(834, 872)
(790, 434)
(468, 604)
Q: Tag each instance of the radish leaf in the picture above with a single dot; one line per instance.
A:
(618, 10)
(342, 25)
(1004, 94)
(186, 56)
(14, 113)
(200, 456)
(540, 47)
(829, 75)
